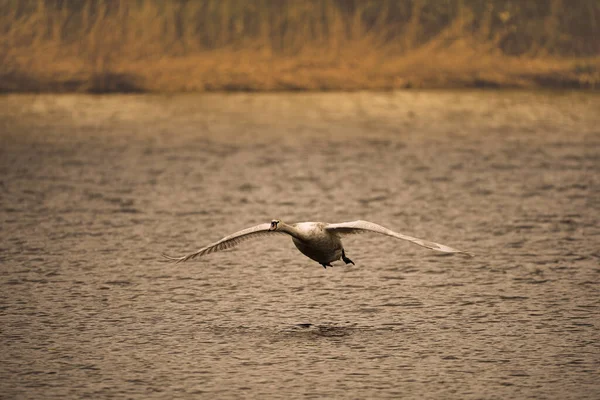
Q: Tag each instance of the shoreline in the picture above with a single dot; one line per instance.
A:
(157, 78)
(151, 46)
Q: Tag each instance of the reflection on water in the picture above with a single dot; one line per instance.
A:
(93, 189)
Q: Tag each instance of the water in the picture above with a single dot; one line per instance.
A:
(93, 189)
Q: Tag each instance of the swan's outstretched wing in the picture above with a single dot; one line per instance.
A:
(347, 228)
(227, 242)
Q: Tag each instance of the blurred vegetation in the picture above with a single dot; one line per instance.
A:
(188, 45)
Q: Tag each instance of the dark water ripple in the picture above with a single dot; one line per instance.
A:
(93, 189)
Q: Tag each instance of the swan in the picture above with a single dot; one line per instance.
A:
(318, 241)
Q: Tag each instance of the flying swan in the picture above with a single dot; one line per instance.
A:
(318, 241)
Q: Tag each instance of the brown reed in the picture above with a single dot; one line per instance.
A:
(262, 45)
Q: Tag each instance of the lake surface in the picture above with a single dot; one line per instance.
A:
(93, 189)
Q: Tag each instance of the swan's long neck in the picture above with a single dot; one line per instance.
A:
(289, 229)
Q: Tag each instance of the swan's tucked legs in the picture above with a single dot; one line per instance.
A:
(326, 265)
(346, 259)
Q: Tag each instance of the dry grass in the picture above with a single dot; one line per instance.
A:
(123, 46)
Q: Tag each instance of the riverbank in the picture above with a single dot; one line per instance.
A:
(244, 71)
(148, 46)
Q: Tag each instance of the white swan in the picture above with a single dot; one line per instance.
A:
(318, 241)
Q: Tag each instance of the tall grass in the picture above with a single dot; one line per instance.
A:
(187, 45)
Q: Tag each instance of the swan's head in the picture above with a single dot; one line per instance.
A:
(274, 225)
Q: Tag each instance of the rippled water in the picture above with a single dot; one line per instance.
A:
(93, 189)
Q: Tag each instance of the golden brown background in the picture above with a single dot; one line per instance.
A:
(183, 45)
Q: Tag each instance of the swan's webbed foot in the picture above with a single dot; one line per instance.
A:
(346, 259)
(326, 265)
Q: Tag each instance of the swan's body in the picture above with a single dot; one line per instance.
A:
(318, 241)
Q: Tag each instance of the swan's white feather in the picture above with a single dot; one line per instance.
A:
(354, 227)
(227, 242)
